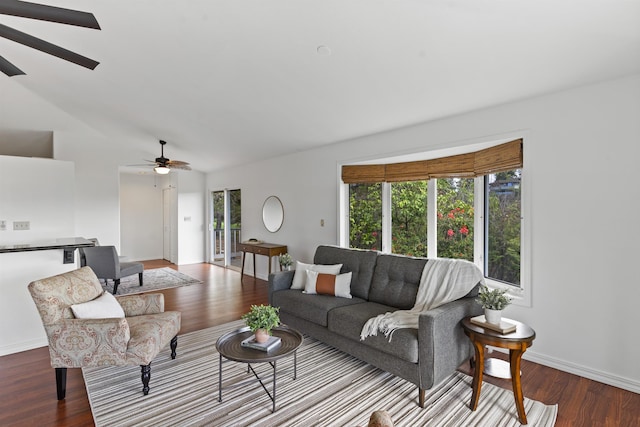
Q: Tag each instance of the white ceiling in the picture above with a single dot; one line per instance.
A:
(228, 82)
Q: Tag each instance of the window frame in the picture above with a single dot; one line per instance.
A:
(521, 294)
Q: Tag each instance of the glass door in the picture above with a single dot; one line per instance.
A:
(226, 228)
(217, 228)
(235, 229)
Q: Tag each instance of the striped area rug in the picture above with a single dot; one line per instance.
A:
(332, 389)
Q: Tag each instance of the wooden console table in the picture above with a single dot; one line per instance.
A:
(266, 249)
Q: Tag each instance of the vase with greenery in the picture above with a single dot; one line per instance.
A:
(261, 319)
(493, 301)
(286, 261)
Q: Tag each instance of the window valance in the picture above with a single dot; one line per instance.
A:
(499, 158)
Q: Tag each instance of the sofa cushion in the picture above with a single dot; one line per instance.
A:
(348, 322)
(396, 280)
(300, 273)
(360, 263)
(328, 284)
(313, 308)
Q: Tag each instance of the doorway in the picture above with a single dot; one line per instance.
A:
(226, 228)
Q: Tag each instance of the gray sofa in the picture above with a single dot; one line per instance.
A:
(380, 283)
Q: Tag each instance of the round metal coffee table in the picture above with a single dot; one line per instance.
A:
(229, 347)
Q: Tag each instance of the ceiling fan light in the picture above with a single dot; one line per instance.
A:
(162, 170)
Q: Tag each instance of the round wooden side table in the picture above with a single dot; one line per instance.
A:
(517, 342)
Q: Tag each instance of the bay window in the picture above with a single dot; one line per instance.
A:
(464, 206)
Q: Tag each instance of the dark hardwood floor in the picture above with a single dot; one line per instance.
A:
(27, 382)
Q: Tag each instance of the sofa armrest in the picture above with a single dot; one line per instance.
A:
(75, 343)
(137, 305)
(443, 346)
(280, 280)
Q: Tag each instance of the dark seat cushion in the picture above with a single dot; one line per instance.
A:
(360, 263)
(313, 308)
(348, 322)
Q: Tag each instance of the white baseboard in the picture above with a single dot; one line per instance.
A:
(23, 346)
(583, 371)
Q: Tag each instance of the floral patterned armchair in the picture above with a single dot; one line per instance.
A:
(135, 339)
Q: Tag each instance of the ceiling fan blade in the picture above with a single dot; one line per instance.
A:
(9, 69)
(48, 13)
(184, 167)
(177, 163)
(44, 46)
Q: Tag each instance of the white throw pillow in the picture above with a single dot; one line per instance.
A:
(104, 307)
(328, 284)
(300, 275)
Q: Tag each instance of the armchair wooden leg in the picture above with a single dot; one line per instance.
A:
(116, 282)
(140, 278)
(146, 376)
(174, 345)
(61, 382)
(421, 397)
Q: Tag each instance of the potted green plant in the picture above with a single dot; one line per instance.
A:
(285, 261)
(261, 319)
(493, 301)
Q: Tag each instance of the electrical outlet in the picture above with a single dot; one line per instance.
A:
(3, 225)
(21, 225)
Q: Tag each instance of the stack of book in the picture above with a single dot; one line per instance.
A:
(272, 342)
(503, 327)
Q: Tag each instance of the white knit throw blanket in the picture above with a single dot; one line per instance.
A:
(443, 280)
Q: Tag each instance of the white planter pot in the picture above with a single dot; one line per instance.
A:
(493, 316)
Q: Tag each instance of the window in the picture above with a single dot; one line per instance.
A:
(455, 211)
(365, 216)
(409, 218)
(478, 218)
(502, 225)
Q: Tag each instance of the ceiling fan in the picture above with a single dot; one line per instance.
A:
(163, 165)
(42, 12)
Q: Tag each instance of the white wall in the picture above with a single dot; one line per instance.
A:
(581, 149)
(86, 205)
(191, 217)
(92, 210)
(96, 207)
(140, 216)
(49, 207)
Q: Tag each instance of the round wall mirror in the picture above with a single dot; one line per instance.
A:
(272, 214)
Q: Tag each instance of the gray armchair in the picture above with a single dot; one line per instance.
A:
(105, 263)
